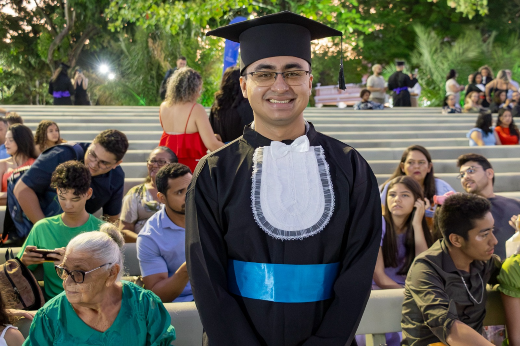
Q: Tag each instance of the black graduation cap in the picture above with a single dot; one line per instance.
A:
(64, 66)
(280, 34)
(399, 63)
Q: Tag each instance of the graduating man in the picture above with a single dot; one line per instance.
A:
(283, 225)
(399, 83)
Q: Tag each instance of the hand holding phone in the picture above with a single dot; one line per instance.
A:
(45, 254)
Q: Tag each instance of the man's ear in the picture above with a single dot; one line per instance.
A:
(117, 164)
(243, 86)
(161, 197)
(456, 240)
(89, 193)
(490, 173)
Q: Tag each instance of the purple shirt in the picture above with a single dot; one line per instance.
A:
(401, 257)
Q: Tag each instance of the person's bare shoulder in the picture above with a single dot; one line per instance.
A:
(14, 337)
(199, 111)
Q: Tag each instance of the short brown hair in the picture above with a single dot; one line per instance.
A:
(114, 142)
(363, 92)
(14, 118)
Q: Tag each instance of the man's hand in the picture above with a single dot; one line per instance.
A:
(515, 222)
(29, 257)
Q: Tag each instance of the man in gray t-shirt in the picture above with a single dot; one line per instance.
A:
(376, 85)
(477, 177)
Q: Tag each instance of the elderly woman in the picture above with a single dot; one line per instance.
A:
(141, 201)
(97, 308)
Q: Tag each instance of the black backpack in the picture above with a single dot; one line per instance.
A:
(48, 200)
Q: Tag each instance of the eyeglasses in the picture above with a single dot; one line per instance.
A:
(159, 163)
(266, 78)
(78, 276)
(93, 158)
(469, 171)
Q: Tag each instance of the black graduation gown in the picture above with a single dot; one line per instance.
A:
(399, 80)
(220, 226)
(62, 83)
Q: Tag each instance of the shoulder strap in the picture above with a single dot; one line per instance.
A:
(189, 115)
(2, 336)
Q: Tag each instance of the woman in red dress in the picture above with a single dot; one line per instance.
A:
(506, 128)
(185, 123)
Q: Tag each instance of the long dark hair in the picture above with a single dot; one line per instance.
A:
(390, 246)
(513, 130)
(451, 74)
(475, 78)
(484, 122)
(24, 139)
(429, 180)
(229, 93)
(445, 102)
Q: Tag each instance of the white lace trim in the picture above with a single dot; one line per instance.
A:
(314, 204)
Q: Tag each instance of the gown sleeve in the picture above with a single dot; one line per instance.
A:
(41, 332)
(206, 257)
(353, 285)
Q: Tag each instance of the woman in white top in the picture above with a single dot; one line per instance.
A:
(452, 87)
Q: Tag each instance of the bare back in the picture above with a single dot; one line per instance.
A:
(174, 118)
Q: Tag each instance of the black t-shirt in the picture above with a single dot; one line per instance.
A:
(502, 208)
(107, 188)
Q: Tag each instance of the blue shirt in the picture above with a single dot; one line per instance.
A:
(107, 189)
(487, 138)
(3, 152)
(160, 249)
(441, 187)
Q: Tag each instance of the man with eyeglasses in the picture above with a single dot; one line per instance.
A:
(477, 177)
(102, 157)
(161, 242)
(283, 225)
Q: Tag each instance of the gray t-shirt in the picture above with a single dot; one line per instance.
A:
(376, 82)
(502, 208)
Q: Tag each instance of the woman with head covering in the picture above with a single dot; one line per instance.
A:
(60, 86)
(97, 308)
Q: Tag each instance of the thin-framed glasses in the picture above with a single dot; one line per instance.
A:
(267, 78)
(93, 158)
(78, 276)
(469, 171)
(159, 163)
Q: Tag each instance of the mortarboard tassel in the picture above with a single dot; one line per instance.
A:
(341, 80)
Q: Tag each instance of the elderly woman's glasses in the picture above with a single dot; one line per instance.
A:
(469, 171)
(265, 78)
(159, 163)
(78, 276)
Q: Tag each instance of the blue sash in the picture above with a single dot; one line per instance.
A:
(60, 94)
(282, 283)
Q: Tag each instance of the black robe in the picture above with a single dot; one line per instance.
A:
(401, 80)
(230, 123)
(220, 226)
(62, 83)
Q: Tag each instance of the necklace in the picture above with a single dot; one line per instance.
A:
(470, 295)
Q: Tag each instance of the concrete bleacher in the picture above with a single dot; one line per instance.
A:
(380, 136)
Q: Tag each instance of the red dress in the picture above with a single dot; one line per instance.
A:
(505, 136)
(8, 174)
(188, 147)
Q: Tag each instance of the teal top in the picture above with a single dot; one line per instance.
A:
(142, 321)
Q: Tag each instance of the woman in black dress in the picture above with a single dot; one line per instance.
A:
(60, 86)
(81, 84)
(231, 111)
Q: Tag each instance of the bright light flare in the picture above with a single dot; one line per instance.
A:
(111, 76)
(104, 68)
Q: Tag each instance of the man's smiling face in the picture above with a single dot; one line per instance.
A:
(278, 104)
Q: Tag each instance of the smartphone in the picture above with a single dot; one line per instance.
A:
(45, 253)
(415, 71)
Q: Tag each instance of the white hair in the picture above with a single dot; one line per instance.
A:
(375, 66)
(104, 245)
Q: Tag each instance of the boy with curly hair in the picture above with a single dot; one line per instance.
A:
(71, 180)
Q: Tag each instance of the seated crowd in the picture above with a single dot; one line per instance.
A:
(442, 247)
